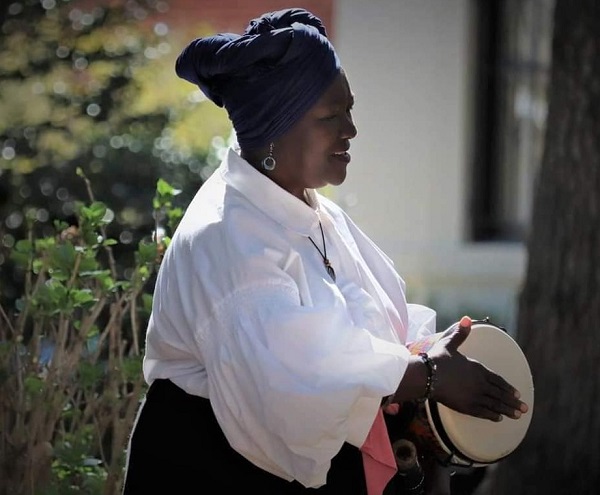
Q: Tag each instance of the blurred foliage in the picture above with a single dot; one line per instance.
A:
(88, 94)
(71, 355)
(93, 86)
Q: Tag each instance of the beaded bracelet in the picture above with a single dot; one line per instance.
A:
(431, 377)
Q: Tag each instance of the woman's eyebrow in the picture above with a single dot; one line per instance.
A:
(340, 102)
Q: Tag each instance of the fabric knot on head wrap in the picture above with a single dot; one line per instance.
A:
(266, 78)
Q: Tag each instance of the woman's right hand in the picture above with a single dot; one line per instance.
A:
(466, 385)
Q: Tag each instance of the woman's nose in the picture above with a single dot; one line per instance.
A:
(349, 130)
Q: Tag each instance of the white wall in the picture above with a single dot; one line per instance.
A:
(410, 64)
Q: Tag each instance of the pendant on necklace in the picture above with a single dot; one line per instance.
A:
(330, 269)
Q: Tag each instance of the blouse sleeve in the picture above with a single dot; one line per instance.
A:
(421, 322)
(290, 384)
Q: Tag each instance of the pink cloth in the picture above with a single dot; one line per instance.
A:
(378, 457)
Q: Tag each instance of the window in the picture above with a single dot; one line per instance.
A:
(513, 67)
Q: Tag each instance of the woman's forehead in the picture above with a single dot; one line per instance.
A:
(338, 93)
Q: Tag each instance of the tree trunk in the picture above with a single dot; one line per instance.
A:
(559, 307)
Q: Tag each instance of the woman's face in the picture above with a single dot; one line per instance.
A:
(314, 152)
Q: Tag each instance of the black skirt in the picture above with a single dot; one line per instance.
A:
(177, 447)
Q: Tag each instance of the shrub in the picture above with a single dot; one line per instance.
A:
(71, 353)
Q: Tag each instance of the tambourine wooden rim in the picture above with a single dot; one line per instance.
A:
(471, 441)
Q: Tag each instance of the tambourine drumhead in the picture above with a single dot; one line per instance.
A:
(481, 441)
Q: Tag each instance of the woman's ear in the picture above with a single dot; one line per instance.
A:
(255, 156)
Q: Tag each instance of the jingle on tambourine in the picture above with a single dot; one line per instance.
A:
(459, 439)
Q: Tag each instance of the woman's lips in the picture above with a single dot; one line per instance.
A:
(343, 156)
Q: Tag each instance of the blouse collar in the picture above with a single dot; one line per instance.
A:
(274, 201)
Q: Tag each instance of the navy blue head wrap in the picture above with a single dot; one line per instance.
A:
(266, 78)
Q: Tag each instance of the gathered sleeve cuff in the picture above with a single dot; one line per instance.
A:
(421, 322)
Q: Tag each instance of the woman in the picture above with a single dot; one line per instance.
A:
(278, 327)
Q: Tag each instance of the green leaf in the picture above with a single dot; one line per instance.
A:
(89, 264)
(42, 245)
(51, 297)
(38, 265)
(146, 253)
(33, 385)
(163, 188)
(60, 225)
(93, 332)
(23, 246)
(82, 297)
(147, 302)
(63, 257)
(143, 273)
(94, 213)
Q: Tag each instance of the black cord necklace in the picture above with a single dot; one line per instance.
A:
(323, 254)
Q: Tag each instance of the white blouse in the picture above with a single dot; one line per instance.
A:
(246, 315)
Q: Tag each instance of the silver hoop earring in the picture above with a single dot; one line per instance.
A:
(269, 162)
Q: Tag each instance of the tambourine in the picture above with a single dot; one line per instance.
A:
(458, 439)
